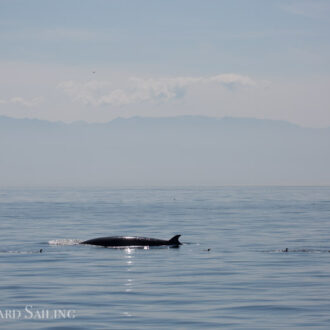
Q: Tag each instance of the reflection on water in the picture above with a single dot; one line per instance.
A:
(129, 257)
(129, 284)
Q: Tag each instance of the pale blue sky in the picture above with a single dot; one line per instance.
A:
(264, 59)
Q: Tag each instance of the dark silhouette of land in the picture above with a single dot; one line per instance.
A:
(163, 151)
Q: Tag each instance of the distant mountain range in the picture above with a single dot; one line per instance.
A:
(163, 151)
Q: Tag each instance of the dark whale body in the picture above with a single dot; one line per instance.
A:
(114, 241)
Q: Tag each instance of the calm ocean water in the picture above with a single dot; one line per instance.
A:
(244, 281)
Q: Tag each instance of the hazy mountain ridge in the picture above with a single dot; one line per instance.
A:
(160, 151)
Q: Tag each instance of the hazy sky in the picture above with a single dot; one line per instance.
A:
(96, 60)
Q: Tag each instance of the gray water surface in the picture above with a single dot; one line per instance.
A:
(244, 281)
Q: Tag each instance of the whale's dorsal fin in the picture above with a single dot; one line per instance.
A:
(175, 240)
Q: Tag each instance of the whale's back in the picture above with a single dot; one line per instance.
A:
(131, 241)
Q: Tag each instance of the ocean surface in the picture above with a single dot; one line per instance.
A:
(231, 272)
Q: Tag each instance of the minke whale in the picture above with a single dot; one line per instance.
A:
(115, 241)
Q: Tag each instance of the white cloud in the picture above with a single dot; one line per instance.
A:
(232, 80)
(23, 102)
(139, 90)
